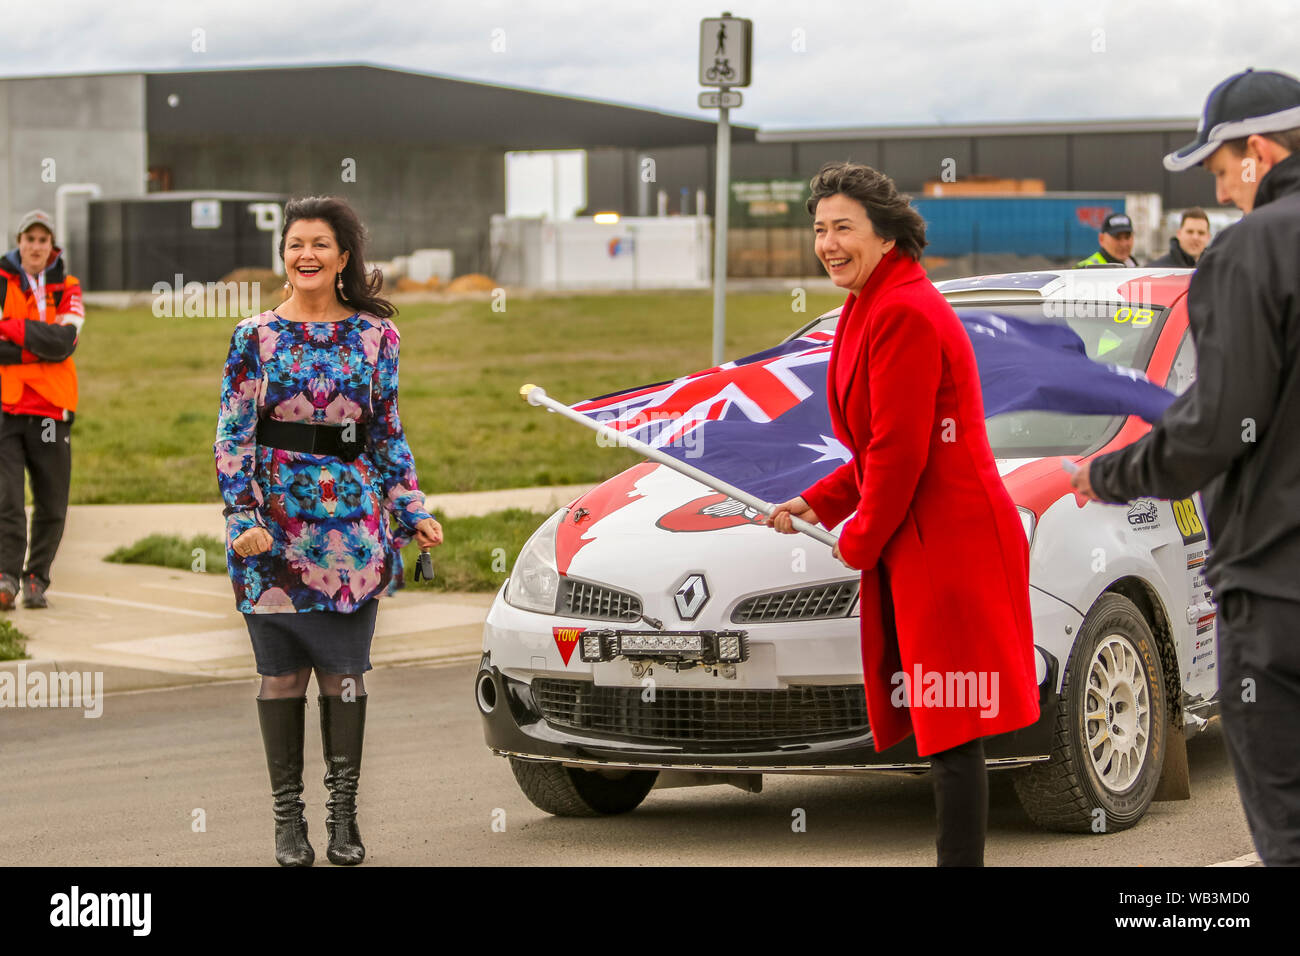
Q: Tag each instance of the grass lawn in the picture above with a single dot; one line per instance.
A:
(172, 551)
(150, 387)
(476, 555)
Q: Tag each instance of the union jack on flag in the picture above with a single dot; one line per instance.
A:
(760, 388)
(764, 417)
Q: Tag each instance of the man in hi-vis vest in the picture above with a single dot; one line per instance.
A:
(40, 318)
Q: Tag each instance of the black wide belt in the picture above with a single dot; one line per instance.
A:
(312, 439)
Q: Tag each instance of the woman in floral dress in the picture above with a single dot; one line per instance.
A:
(311, 458)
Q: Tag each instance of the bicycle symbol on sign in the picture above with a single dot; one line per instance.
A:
(721, 70)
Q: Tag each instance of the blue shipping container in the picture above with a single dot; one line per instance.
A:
(1056, 226)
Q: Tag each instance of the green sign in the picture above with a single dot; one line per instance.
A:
(772, 202)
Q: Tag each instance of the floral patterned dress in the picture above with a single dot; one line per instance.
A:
(332, 546)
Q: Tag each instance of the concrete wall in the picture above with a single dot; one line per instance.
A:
(410, 197)
(73, 129)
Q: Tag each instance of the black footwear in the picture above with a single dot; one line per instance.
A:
(34, 593)
(282, 735)
(8, 592)
(342, 727)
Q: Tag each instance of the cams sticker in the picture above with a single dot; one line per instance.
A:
(566, 639)
(1189, 521)
(1143, 514)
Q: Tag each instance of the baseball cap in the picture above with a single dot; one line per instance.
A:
(1116, 223)
(1244, 104)
(37, 217)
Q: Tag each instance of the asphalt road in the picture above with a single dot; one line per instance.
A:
(124, 789)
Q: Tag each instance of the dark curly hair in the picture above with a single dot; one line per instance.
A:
(360, 291)
(890, 212)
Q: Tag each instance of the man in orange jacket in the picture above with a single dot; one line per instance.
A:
(40, 319)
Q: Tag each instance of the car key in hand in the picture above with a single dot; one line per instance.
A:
(424, 567)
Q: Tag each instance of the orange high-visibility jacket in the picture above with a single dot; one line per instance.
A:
(37, 374)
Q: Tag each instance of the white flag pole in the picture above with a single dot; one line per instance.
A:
(536, 395)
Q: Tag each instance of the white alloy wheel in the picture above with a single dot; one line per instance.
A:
(1118, 714)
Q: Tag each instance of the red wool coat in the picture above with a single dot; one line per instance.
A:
(947, 639)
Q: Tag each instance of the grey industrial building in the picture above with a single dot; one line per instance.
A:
(1085, 156)
(420, 157)
(425, 153)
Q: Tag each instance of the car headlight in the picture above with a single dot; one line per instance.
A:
(1028, 520)
(535, 583)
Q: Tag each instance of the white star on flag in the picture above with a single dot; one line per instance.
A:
(832, 450)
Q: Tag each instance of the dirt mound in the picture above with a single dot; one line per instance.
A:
(472, 282)
(271, 286)
(414, 285)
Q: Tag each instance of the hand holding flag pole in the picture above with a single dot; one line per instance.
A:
(536, 395)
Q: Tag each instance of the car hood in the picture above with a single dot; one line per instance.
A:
(648, 529)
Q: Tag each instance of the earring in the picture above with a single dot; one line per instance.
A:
(339, 285)
(286, 285)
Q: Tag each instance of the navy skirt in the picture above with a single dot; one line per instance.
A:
(330, 641)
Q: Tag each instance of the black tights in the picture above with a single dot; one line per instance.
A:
(295, 684)
(961, 800)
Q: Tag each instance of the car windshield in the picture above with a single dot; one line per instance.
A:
(1113, 333)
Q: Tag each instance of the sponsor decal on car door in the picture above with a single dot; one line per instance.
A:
(1200, 666)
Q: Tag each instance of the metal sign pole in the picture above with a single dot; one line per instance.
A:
(721, 201)
(726, 51)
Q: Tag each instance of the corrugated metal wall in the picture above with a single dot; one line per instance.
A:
(1066, 162)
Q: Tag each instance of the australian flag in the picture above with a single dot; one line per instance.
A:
(761, 422)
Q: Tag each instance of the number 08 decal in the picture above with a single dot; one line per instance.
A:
(1189, 522)
(1138, 318)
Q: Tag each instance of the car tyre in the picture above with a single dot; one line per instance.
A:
(571, 792)
(1110, 738)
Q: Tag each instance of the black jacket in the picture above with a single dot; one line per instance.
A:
(1235, 434)
(1175, 257)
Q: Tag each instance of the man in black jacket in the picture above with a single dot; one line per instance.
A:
(1188, 243)
(1233, 436)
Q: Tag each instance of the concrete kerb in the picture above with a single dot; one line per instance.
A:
(146, 627)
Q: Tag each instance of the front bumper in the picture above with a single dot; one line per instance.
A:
(513, 725)
(519, 649)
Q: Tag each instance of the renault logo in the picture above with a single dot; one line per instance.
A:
(691, 597)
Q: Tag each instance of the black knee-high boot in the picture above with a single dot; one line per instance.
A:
(342, 728)
(282, 735)
(961, 800)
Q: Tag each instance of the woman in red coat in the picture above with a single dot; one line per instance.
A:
(947, 641)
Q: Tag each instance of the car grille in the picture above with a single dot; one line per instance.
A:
(688, 715)
(801, 604)
(581, 599)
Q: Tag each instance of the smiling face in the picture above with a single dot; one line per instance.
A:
(34, 248)
(1193, 235)
(846, 243)
(312, 259)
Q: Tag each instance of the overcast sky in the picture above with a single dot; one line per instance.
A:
(816, 64)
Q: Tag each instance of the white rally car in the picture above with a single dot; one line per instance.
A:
(593, 710)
